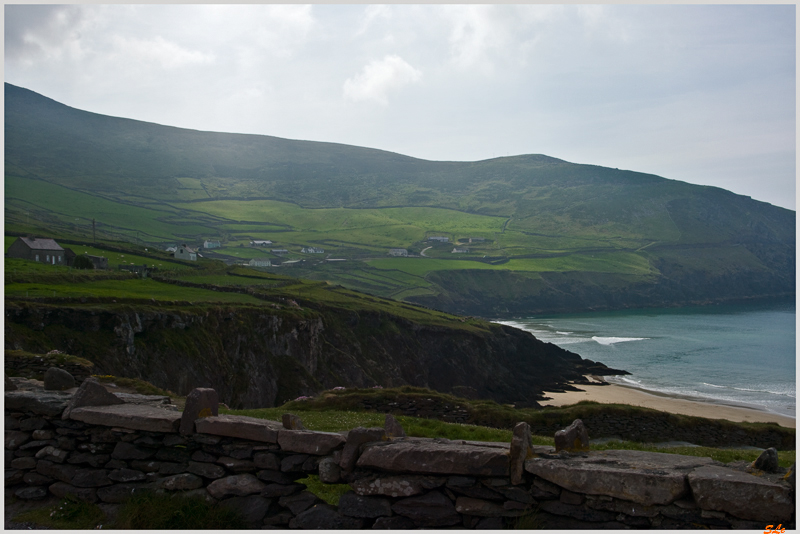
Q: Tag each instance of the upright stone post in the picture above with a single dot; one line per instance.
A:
(521, 450)
(200, 403)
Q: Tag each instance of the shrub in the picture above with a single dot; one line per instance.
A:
(82, 262)
(153, 511)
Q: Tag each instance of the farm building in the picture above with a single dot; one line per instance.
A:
(440, 239)
(460, 250)
(312, 250)
(99, 262)
(43, 250)
(398, 252)
(185, 253)
(211, 244)
(477, 239)
(259, 263)
(257, 243)
(279, 251)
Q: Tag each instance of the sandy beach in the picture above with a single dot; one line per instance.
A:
(618, 394)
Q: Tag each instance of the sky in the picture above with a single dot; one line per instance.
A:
(700, 93)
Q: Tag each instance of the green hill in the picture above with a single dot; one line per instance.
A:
(547, 235)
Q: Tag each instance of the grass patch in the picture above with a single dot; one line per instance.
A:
(140, 386)
(150, 511)
(68, 514)
(330, 493)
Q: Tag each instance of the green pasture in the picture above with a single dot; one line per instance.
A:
(78, 208)
(615, 262)
(131, 288)
(399, 225)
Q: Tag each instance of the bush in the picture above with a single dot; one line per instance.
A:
(82, 262)
(153, 511)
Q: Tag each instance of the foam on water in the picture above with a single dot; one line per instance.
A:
(612, 340)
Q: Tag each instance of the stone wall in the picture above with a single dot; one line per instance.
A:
(102, 452)
(34, 366)
(648, 426)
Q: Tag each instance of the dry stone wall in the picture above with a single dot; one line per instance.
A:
(103, 452)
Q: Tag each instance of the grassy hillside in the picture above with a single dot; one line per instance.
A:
(567, 236)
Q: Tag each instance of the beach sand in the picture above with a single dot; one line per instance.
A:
(618, 394)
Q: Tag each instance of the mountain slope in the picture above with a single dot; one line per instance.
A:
(567, 236)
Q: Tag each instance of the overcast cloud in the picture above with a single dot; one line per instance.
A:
(699, 93)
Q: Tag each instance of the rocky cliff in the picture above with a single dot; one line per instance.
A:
(260, 357)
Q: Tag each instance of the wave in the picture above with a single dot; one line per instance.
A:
(790, 394)
(564, 333)
(612, 340)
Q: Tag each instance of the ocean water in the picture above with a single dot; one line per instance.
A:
(740, 355)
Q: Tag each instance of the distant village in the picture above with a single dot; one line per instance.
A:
(47, 250)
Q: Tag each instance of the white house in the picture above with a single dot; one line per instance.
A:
(260, 263)
(312, 250)
(460, 250)
(211, 244)
(398, 252)
(185, 253)
(440, 239)
(258, 243)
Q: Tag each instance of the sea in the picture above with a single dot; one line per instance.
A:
(739, 355)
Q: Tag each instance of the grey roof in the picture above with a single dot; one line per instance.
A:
(42, 243)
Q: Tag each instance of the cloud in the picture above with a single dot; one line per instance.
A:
(40, 30)
(160, 52)
(378, 78)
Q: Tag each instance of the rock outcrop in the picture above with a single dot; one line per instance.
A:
(260, 357)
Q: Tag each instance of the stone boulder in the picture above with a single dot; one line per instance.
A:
(292, 422)
(236, 485)
(741, 494)
(324, 516)
(239, 426)
(10, 386)
(56, 379)
(574, 438)
(353, 505)
(767, 461)
(646, 478)
(200, 403)
(432, 509)
(49, 403)
(393, 428)
(90, 393)
(310, 442)
(396, 486)
(355, 438)
(435, 457)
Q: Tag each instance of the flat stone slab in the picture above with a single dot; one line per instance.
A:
(741, 494)
(310, 442)
(132, 416)
(50, 403)
(646, 478)
(136, 398)
(239, 426)
(431, 457)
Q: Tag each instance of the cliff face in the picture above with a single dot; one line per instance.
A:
(259, 358)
